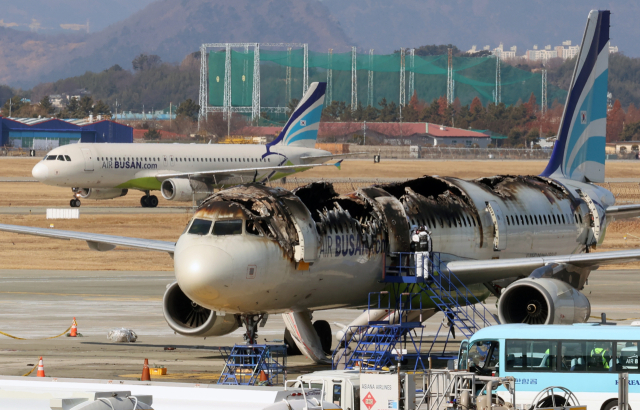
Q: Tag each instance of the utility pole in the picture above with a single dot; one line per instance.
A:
(10, 107)
(170, 114)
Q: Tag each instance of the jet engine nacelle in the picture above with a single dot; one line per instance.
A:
(543, 301)
(101, 193)
(178, 189)
(190, 319)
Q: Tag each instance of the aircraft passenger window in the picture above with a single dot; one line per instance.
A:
(521, 220)
(228, 227)
(200, 227)
(52, 157)
(563, 220)
(60, 157)
(469, 220)
(460, 223)
(529, 355)
(526, 219)
(627, 356)
(575, 216)
(508, 220)
(554, 219)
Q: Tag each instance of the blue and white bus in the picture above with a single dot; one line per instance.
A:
(585, 358)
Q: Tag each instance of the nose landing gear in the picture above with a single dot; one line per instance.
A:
(149, 201)
(251, 323)
(75, 202)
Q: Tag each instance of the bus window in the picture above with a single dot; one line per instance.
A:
(574, 356)
(527, 355)
(484, 356)
(627, 356)
(599, 356)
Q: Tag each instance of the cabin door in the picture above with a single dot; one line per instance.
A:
(499, 226)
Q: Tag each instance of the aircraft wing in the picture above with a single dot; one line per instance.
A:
(314, 158)
(242, 175)
(623, 211)
(95, 241)
(480, 271)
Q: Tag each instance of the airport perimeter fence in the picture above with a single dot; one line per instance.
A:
(445, 152)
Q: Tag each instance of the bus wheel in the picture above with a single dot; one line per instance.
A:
(613, 405)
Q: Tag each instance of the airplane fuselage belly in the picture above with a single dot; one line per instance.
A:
(135, 166)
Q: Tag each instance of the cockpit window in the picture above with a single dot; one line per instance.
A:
(68, 158)
(228, 227)
(52, 157)
(200, 227)
(60, 157)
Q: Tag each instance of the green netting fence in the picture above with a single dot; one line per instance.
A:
(473, 77)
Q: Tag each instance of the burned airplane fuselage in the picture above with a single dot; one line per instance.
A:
(255, 249)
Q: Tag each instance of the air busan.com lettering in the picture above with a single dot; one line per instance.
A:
(127, 165)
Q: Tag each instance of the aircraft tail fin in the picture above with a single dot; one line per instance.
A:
(579, 152)
(302, 128)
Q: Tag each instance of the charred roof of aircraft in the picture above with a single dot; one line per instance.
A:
(507, 186)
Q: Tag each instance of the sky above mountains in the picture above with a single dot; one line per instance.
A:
(49, 17)
(384, 25)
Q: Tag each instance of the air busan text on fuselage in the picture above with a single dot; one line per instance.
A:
(183, 172)
(251, 250)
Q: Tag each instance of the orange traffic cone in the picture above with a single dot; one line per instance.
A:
(74, 328)
(263, 376)
(145, 371)
(40, 368)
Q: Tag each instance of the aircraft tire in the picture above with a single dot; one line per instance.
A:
(292, 347)
(75, 203)
(144, 202)
(72, 203)
(323, 329)
(152, 202)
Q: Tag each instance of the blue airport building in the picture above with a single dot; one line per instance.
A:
(48, 133)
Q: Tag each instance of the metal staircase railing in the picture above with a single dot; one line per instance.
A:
(245, 363)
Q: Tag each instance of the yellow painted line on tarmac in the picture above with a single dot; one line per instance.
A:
(183, 376)
(86, 295)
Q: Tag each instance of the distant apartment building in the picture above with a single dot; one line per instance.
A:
(505, 55)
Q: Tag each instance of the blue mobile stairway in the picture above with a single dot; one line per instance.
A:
(245, 363)
(377, 345)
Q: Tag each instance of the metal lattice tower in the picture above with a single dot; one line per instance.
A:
(403, 97)
(370, 82)
(287, 95)
(329, 93)
(498, 94)
(203, 85)
(354, 80)
(305, 70)
(412, 79)
(255, 97)
(450, 77)
(226, 104)
(543, 103)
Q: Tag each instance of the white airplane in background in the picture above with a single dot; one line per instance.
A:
(251, 251)
(183, 172)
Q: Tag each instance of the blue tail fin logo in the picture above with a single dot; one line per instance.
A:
(302, 128)
(579, 152)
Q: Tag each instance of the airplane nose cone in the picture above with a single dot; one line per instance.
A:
(203, 273)
(40, 171)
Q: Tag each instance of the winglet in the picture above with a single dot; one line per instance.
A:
(338, 164)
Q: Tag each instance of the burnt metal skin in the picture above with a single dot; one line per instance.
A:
(314, 249)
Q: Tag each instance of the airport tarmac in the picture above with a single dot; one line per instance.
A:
(40, 303)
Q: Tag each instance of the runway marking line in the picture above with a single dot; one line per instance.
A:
(185, 376)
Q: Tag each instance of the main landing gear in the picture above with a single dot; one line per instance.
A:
(75, 202)
(149, 201)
